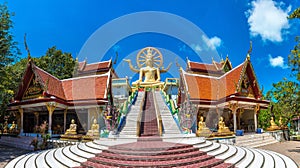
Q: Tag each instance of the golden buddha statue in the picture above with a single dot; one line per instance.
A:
(149, 60)
(280, 122)
(13, 126)
(273, 125)
(94, 131)
(72, 129)
(202, 131)
(222, 126)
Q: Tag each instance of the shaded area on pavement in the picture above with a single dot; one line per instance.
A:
(8, 153)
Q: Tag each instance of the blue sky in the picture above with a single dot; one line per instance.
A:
(227, 25)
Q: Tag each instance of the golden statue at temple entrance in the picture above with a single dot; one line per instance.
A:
(72, 129)
(150, 61)
(223, 130)
(202, 130)
(94, 131)
(273, 125)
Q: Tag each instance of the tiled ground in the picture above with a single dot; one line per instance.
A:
(9, 153)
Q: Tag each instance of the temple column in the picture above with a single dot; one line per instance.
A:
(50, 107)
(65, 118)
(21, 111)
(241, 111)
(36, 114)
(256, 110)
(233, 107)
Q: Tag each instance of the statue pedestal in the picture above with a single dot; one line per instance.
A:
(146, 85)
(69, 137)
(204, 132)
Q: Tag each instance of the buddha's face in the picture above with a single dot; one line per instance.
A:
(73, 121)
(95, 121)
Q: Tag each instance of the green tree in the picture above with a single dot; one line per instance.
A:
(285, 97)
(8, 54)
(294, 57)
(57, 63)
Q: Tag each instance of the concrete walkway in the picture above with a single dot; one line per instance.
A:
(288, 148)
(9, 153)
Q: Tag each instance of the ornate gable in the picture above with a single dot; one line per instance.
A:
(248, 85)
(34, 89)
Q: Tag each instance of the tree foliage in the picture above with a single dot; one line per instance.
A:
(8, 54)
(58, 63)
(286, 98)
(295, 14)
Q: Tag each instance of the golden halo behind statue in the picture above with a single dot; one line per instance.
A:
(149, 53)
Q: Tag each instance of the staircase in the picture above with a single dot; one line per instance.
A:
(255, 140)
(170, 128)
(149, 125)
(129, 130)
(154, 153)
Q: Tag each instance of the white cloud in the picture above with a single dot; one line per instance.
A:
(207, 44)
(267, 19)
(196, 47)
(277, 62)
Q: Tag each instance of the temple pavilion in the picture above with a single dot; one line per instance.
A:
(218, 89)
(43, 97)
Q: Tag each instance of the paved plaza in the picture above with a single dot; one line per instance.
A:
(289, 148)
(9, 153)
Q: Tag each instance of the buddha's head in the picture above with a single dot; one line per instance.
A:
(201, 118)
(73, 121)
(149, 58)
(95, 121)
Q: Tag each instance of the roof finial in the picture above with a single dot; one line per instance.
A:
(27, 49)
(249, 51)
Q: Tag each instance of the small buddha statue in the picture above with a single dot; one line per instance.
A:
(72, 129)
(222, 126)
(273, 125)
(201, 124)
(5, 127)
(13, 126)
(280, 122)
(94, 131)
(202, 131)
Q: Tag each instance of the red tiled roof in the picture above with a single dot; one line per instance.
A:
(96, 66)
(53, 84)
(202, 66)
(213, 88)
(91, 87)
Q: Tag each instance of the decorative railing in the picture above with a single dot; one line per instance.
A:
(158, 115)
(170, 103)
(125, 108)
(139, 118)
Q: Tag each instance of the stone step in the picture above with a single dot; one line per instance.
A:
(168, 163)
(153, 158)
(234, 159)
(52, 161)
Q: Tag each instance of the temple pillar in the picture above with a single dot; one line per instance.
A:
(36, 114)
(65, 118)
(256, 110)
(50, 107)
(233, 107)
(241, 111)
(21, 111)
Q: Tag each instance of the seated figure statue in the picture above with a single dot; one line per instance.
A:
(72, 129)
(222, 126)
(273, 125)
(202, 131)
(5, 127)
(94, 131)
(13, 126)
(201, 124)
